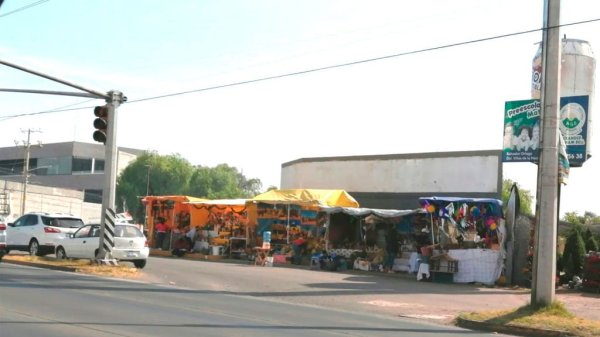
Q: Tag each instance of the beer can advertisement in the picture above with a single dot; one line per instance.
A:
(522, 125)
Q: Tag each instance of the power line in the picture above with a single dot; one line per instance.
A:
(23, 8)
(380, 58)
(359, 62)
(58, 109)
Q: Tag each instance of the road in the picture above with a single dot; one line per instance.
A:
(396, 295)
(42, 302)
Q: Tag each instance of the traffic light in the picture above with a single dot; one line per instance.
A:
(101, 123)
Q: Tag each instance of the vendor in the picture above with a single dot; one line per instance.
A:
(298, 246)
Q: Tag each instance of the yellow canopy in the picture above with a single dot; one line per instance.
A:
(200, 210)
(316, 197)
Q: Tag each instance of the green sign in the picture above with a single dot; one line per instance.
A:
(521, 131)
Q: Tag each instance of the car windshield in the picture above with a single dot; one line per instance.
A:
(62, 222)
(127, 232)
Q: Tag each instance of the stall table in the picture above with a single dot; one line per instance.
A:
(477, 265)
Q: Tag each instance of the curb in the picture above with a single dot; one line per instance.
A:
(40, 265)
(509, 329)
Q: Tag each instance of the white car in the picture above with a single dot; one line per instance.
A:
(38, 233)
(130, 244)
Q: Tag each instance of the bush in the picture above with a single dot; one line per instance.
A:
(574, 254)
(590, 242)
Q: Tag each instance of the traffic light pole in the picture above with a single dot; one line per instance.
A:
(110, 173)
(114, 99)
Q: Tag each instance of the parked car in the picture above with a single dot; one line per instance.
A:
(37, 233)
(130, 244)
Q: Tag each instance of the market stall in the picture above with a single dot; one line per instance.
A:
(173, 211)
(359, 234)
(221, 226)
(292, 220)
(470, 231)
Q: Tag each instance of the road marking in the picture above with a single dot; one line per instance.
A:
(382, 303)
(438, 317)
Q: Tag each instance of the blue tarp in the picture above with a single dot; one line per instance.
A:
(494, 205)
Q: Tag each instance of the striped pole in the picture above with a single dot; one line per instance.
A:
(108, 239)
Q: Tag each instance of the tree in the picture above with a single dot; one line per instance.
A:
(222, 182)
(574, 254)
(161, 175)
(525, 197)
(573, 218)
(590, 242)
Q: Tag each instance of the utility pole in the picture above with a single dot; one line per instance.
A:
(27, 147)
(115, 98)
(544, 263)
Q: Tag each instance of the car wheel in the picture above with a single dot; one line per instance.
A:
(60, 253)
(139, 263)
(34, 248)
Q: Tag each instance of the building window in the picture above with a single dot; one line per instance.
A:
(93, 196)
(11, 167)
(82, 165)
(99, 166)
(56, 165)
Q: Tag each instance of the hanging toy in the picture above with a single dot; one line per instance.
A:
(493, 226)
(430, 208)
(475, 212)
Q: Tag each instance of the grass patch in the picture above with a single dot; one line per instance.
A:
(81, 266)
(552, 317)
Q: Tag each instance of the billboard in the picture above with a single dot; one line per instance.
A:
(522, 129)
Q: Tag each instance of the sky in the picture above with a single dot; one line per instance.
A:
(445, 99)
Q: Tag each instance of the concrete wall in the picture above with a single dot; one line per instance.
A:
(48, 199)
(396, 181)
(413, 173)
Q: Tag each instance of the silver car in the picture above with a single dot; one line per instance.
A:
(130, 244)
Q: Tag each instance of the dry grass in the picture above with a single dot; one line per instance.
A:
(81, 266)
(552, 317)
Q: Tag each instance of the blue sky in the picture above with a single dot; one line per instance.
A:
(449, 99)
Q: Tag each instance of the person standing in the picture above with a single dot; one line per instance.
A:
(161, 232)
(391, 248)
(298, 246)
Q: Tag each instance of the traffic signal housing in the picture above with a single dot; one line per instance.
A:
(101, 123)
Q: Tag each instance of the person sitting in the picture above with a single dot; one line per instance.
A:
(191, 237)
(180, 247)
(261, 259)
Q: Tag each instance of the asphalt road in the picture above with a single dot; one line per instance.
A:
(395, 295)
(42, 302)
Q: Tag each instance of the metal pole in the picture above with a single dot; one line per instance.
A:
(26, 172)
(50, 92)
(72, 85)
(110, 164)
(544, 263)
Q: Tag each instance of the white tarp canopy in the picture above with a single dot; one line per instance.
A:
(363, 212)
